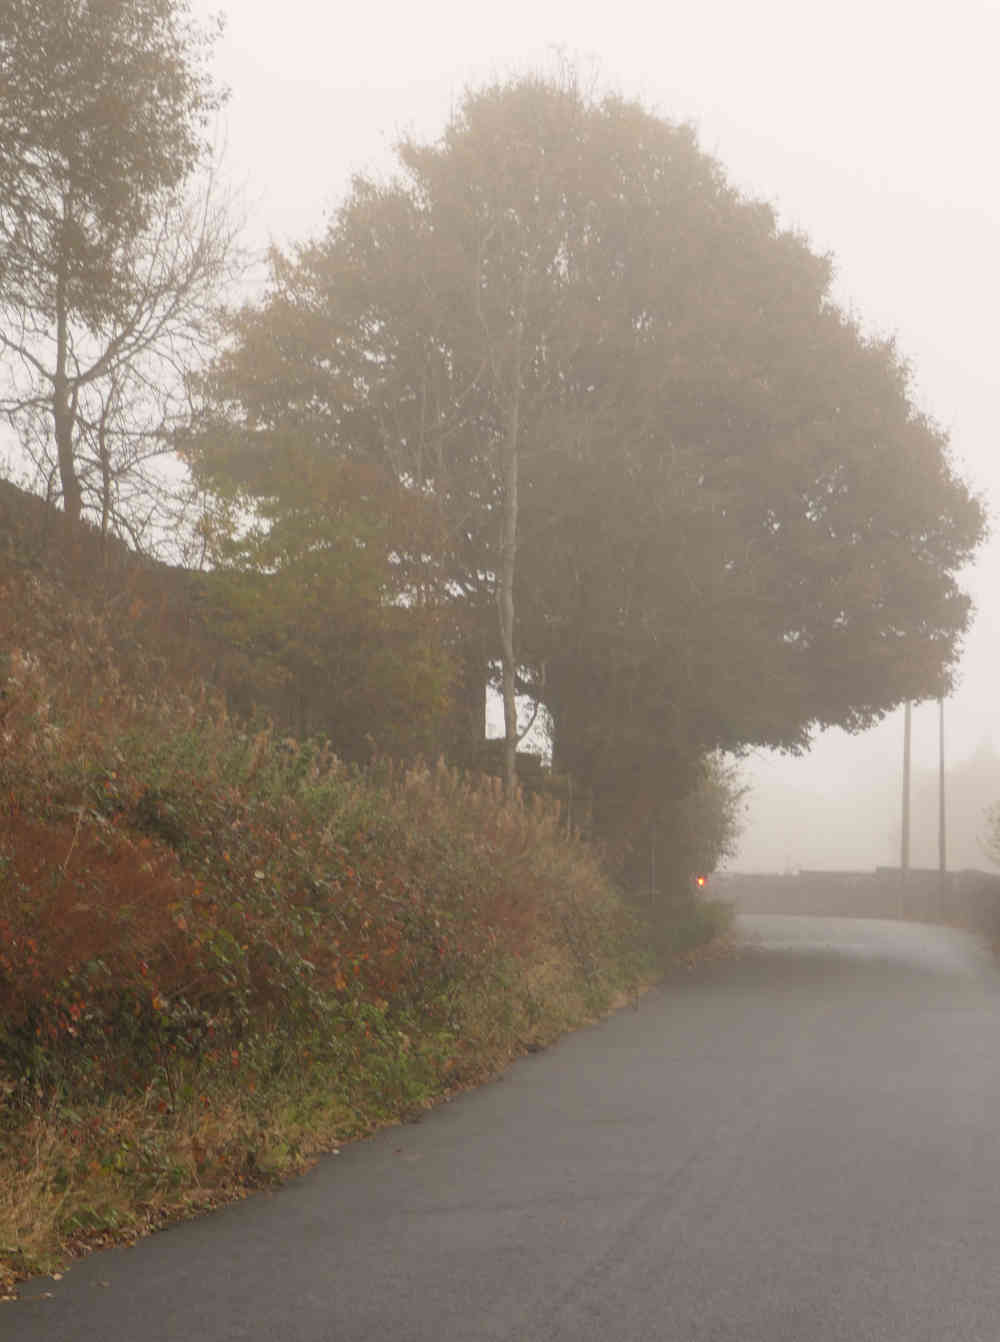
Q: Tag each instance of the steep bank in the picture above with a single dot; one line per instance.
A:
(221, 951)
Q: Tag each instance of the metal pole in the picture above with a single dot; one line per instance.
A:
(904, 856)
(942, 833)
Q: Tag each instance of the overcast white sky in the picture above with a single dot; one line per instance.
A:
(872, 127)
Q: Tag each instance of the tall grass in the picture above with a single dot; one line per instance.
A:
(220, 950)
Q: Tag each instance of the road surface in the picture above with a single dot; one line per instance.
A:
(800, 1144)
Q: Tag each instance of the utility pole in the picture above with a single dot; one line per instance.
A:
(904, 856)
(942, 839)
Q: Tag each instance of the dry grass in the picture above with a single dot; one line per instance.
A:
(74, 1181)
(221, 953)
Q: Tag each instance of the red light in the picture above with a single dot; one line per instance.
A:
(700, 881)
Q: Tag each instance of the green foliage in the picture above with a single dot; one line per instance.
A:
(685, 837)
(342, 617)
(698, 831)
(696, 923)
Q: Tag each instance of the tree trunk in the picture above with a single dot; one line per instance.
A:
(62, 408)
(63, 419)
(508, 562)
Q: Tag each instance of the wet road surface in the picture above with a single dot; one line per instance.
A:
(798, 1144)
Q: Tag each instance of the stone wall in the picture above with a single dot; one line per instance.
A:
(963, 898)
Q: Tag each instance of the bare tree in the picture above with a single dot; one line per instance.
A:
(115, 242)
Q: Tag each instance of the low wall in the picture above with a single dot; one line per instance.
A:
(963, 898)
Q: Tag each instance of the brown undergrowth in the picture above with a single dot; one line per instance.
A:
(222, 952)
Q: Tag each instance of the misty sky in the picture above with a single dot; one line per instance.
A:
(871, 126)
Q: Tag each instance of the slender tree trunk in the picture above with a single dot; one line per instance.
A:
(508, 564)
(104, 456)
(63, 418)
(62, 408)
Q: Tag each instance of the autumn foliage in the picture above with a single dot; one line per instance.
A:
(221, 946)
(182, 895)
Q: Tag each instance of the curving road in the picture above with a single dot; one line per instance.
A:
(798, 1144)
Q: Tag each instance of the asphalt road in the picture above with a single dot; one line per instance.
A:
(798, 1145)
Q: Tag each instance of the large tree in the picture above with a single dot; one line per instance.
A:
(560, 322)
(114, 238)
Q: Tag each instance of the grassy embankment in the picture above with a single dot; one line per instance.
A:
(221, 953)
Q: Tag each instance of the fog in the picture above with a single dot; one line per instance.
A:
(841, 807)
(872, 130)
(870, 127)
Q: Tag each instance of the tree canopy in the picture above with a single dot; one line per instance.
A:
(731, 523)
